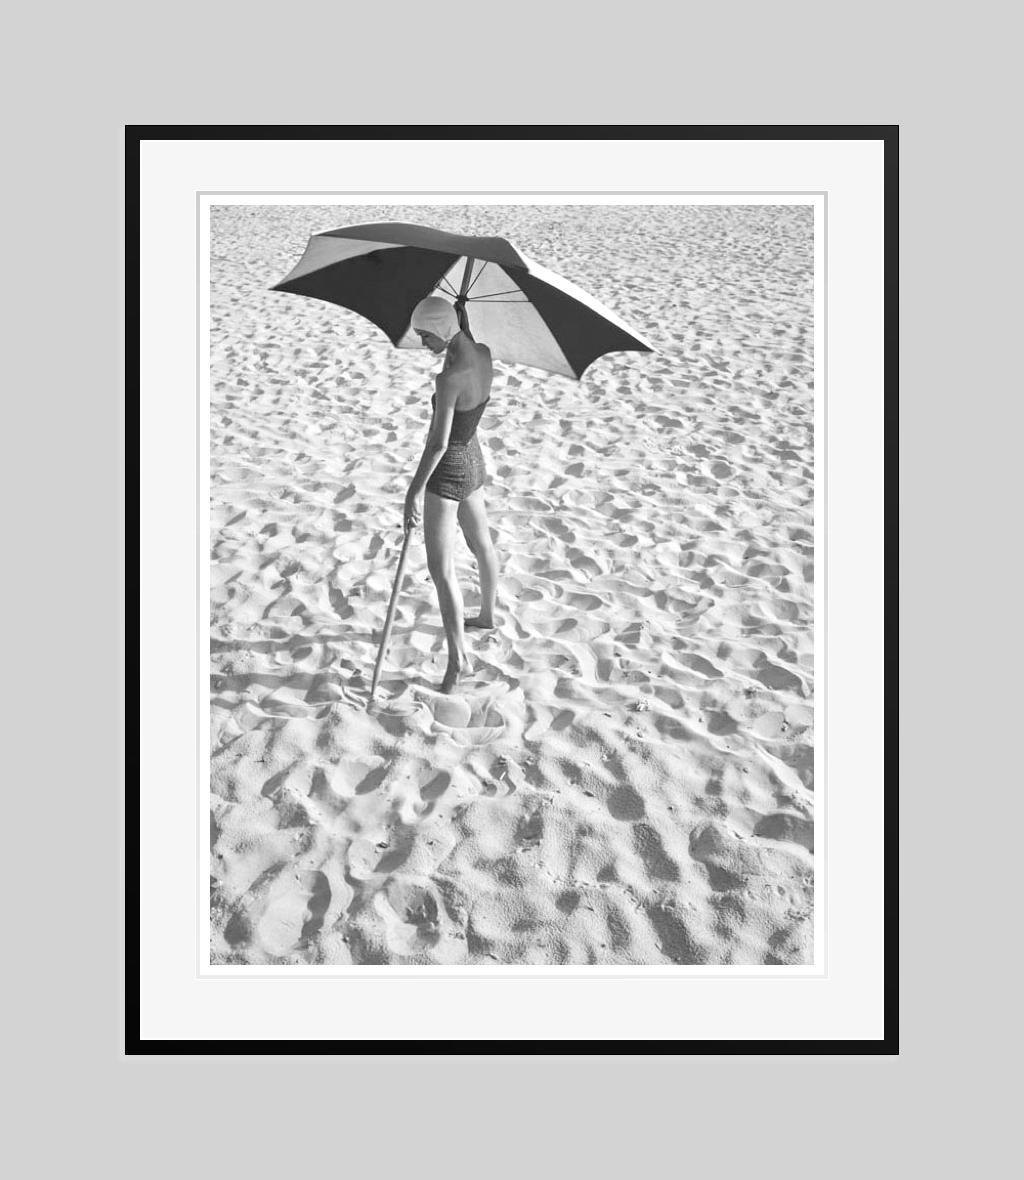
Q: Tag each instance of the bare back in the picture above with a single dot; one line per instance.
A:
(469, 376)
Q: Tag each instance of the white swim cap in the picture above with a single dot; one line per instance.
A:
(436, 315)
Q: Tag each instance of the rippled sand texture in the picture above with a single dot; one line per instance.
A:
(627, 776)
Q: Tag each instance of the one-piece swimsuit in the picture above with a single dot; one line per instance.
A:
(461, 469)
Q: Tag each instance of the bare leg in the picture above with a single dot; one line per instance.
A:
(439, 517)
(473, 519)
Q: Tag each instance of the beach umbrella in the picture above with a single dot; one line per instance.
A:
(522, 311)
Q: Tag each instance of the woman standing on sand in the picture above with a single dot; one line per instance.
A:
(451, 473)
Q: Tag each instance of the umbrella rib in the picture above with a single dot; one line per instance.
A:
(450, 290)
(493, 294)
(487, 263)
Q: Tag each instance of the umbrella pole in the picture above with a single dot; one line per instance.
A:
(391, 614)
(467, 274)
(461, 302)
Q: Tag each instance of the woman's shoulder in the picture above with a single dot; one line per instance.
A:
(464, 366)
(483, 357)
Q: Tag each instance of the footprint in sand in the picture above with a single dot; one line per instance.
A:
(699, 665)
(652, 852)
(626, 805)
(454, 712)
(467, 722)
(553, 525)
(433, 790)
(530, 831)
(555, 723)
(580, 561)
(283, 911)
(584, 601)
(781, 825)
(772, 676)
(677, 941)
(411, 915)
(720, 724)
(372, 780)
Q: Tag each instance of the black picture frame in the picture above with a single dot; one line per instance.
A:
(888, 135)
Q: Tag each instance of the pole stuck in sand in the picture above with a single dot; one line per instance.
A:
(386, 635)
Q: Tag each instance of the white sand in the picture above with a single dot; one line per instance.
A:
(627, 777)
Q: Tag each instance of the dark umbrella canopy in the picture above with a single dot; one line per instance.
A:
(522, 311)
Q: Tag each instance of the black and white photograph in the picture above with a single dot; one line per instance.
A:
(513, 622)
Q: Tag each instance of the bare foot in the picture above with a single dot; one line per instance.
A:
(457, 668)
(484, 622)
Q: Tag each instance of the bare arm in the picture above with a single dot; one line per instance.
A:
(428, 461)
(433, 448)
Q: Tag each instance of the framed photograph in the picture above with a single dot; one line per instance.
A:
(513, 583)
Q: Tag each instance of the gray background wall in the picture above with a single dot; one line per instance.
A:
(78, 1101)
